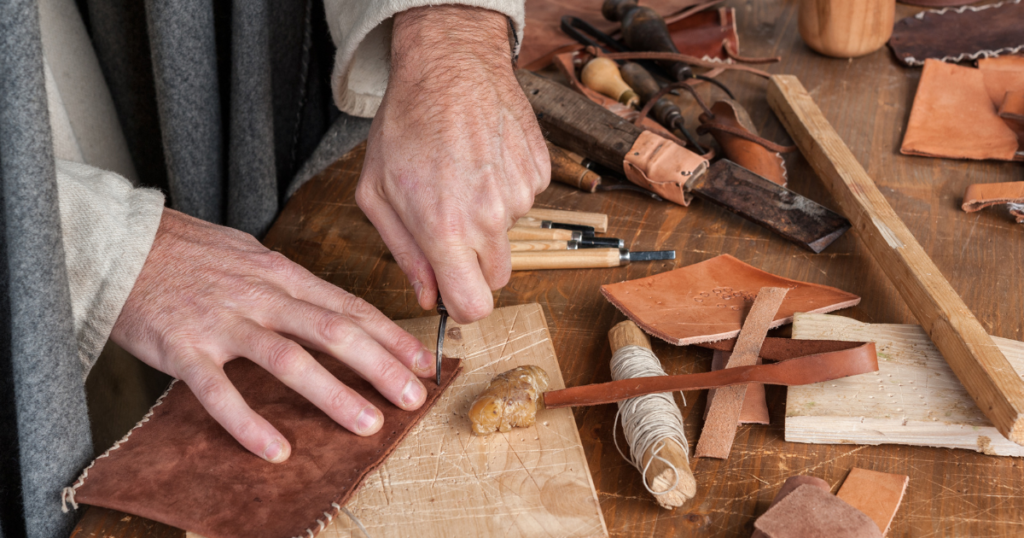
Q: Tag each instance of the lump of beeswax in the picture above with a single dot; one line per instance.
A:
(511, 400)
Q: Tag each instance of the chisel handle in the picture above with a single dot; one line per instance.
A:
(564, 169)
(567, 259)
(517, 233)
(599, 221)
(533, 246)
(602, 75)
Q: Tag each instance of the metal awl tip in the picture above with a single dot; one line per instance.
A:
(440, 335)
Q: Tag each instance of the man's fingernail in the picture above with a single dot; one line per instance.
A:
(368, 420)
(417, 288)
(424, 363)
(273, 452)
(413, 394)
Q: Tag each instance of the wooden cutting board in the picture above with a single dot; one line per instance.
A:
(444, 481)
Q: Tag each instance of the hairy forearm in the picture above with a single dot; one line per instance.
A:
(439, 40)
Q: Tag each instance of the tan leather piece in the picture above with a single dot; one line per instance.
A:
(809, 512)
(954, 114)
(755, 408)
(746, 153)
(707, 301)
(719, 430)
(183, 469)
(845, 359)
(1013, 106)
(788, 486)
(876, 494)
(662, 166)
(982, 195)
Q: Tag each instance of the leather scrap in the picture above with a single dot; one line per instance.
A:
(1013, 106)
(755, 407)
(982, 195)
(956, 35)
(662, 166)
(876, 494)
(744, 152)
(706, 301)
(788, 486)
(955, 115)
(719, 430)
(181, 468)
(810, 512)
(845, 359)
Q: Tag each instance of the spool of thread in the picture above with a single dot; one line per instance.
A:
(652, 425)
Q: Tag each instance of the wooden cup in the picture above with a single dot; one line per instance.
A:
(846, 28)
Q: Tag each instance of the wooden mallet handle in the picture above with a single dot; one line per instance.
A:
(659, 475)
(966, 345)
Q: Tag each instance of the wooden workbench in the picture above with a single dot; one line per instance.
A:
(867, 100)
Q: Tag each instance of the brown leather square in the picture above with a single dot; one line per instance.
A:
(181, 468)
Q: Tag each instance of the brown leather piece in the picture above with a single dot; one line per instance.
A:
(954, 114)
(809, 512)
(854, 359)
(982, 195)
(746, 153)
(719, 430)
(662, 166)
(954, 35)
(183, 469)
(755, 407)
(788, 487)
(936, 3)
(780, 349)
(709, 34)
(707, 301)
(1013, 106)
(876, 494)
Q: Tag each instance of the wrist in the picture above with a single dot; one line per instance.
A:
(449, 35)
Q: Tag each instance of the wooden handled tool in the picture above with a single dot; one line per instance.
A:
(565, 169)
(965, 344)
(534, 246)
(602, 75)
(517, 233)
(599, 221)
(530, 222)
(583, 259)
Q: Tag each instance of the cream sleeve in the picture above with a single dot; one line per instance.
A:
(361, 30)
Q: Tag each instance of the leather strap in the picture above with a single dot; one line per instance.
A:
(841, 359)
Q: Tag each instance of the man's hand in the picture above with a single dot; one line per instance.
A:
(209, 294)
(454, 157)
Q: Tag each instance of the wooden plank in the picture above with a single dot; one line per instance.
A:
(444, 481)
(913, 399)
(964, 343)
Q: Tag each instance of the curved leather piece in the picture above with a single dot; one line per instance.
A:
(780, 349)
(788, 487)
(662, 166)
(799, 371)
(811, 512)
(956, 35)
(180, 467)
(746, 153)
(982, 195)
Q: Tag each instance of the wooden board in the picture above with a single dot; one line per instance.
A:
(913, 399)
(444, 481)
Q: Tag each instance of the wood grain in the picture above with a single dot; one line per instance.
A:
(565, 259)
(952, 493)
(846, 28)
(913, 398)
(964, 343)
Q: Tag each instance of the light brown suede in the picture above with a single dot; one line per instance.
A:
(662, 166)
(876, 494)
(809, 512)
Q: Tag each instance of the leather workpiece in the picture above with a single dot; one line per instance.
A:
(982, 195)
(955, 111)
(1013, 106)
(808, 511)
(746, 153)
(662, 166)
(182, 468)
(834, 361)
(707, 301)
(876, 494)
(719, 429)
(755, 408)
(960, 34)
(788, 487)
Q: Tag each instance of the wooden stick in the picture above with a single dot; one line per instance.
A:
(972, 355)
(660, 475)
(598, 220)
(527, 246)
(520, 233)
(566, 259)
(566, 169)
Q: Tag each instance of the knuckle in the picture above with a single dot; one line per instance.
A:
(477, 307)
(284, 358)
(338, 400)
(212, 391)
(357, 308)
(277, 263)
(390, 371)
(334, 329)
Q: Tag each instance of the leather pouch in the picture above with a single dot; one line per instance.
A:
(955, 112)
(180, 467)
(955, 35)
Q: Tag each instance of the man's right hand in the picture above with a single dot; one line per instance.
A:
(209, 294)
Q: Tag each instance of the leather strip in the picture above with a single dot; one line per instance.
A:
(982, 195)
(755, 408)
(662, 166)
(859, 359)
(955, 35)
(183, 469)
(732, 128)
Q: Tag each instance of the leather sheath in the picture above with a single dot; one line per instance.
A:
(180, 467)
(848, 358)
(707, 301)
(660, 165)
(957, 35)
(982, 195)
(746, 153)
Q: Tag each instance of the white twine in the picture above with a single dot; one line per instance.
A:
(647, 421)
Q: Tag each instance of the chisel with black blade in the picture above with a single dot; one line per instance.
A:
(584, 259)
(578, 125)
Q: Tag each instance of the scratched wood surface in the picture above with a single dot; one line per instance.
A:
(867, 100)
